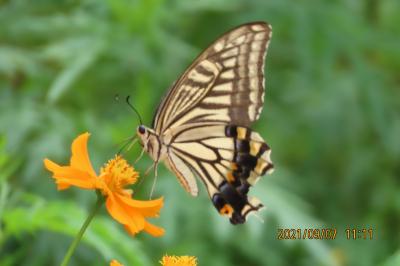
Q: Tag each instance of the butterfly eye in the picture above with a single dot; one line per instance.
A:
(141, 129)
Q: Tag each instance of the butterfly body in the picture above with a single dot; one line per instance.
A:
(202, 126)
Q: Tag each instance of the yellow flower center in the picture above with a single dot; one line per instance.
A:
(117, 174)
(178, 261)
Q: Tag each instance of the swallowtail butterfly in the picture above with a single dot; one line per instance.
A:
(201, 128)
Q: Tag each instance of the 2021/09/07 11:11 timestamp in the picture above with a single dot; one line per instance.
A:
(325, 233)
(359, 233)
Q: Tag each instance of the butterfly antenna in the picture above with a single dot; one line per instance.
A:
(134, 109)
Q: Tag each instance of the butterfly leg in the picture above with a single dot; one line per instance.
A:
(133, 141)
(147, 172)
(155, 165)
(140, 156)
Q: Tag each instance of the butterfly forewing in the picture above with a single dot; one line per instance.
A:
(224, 84)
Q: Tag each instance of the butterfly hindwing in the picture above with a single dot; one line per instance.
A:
(183, 172)
(228, 159)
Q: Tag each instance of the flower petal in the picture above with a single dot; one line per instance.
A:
(131, 230)
(148, 208)
(125, 214)
(53, 167)
(50, 165)
(80, 158)
(62, 186)
(115, 263)
(153, 230)
(66, 176)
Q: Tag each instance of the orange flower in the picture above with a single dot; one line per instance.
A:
(178, 261)
(114, 176)
(115, 263)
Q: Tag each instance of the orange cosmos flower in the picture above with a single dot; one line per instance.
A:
(114, 176)
(115, 263)
(178, 261)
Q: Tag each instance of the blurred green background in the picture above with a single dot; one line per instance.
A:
(331, 116)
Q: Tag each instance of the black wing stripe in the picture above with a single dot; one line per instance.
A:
(197, 167)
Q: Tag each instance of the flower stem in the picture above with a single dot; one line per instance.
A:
(74, 244)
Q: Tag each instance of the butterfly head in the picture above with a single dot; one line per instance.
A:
(149, 141)
(143, 134)
(141, 130)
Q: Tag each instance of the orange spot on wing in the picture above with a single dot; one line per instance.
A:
(234, 166)
(226, 210)
(230, 177)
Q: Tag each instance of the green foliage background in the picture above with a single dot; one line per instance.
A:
(331, 116)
